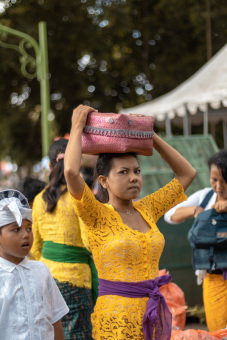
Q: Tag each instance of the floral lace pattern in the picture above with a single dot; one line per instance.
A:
(61, 226)
(123, 254)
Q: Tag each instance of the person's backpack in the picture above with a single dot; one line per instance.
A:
(208, 238)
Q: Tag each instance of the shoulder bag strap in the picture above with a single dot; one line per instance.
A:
(206, 199)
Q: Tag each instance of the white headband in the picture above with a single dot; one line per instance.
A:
(13, 207)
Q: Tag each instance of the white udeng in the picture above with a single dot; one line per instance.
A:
(12, 209)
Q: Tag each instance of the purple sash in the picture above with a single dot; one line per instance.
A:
(224, 273)
(157, 320)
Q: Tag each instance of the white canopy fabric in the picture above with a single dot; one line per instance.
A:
(208, 86)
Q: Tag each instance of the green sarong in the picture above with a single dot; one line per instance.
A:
(58, 252)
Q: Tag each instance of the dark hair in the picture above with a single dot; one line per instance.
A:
(103, 166)
(30, 187)
(87, 174)
(220, 160)
(56, 177)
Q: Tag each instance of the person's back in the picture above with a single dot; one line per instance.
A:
(58, 243)
(59, 227)
(30, 308)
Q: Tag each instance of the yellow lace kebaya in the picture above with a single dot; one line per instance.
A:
(123, 254)
(68, 233)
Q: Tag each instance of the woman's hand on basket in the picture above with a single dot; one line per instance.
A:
(79, 116)
(136, 114)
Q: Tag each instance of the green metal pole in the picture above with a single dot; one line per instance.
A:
(22, 35)
(42, 72)
(44, 88)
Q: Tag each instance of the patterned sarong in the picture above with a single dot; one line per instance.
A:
(77, 323)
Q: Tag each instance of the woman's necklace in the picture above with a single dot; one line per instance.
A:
(128, 212)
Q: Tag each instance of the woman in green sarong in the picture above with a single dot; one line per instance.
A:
(58, 243)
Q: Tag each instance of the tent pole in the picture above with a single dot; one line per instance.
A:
(189, 126)
(168, 126)
(224, 134)
(205, 121)
(185, 123)
(212, 130)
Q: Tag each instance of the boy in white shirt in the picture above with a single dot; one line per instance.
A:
(31, 305)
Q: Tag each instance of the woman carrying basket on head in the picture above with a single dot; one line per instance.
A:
(123, 237)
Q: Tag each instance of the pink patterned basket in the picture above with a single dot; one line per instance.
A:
(118, 133)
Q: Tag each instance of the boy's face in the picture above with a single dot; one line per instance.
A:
(15, 241)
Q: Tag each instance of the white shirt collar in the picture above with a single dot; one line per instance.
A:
(10, 266)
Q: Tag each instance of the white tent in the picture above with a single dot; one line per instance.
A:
(201, 96)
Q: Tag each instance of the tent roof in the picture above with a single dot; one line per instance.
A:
(207, 86)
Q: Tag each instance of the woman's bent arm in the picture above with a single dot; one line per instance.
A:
(182, 214)
(72, 161)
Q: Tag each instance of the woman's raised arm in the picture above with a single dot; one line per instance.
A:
(72, 161)
(182, 169)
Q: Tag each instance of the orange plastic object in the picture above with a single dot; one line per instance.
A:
(192, 334)
(175, 300)
(222, 333)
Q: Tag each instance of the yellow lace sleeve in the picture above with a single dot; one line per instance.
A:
(88, 207)
(84, 235)
(37, 247)
(164, 199)
(89, 210)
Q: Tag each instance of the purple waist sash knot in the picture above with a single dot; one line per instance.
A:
(157, 320)
(224, 273)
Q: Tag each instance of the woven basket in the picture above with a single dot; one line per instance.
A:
(118, 133)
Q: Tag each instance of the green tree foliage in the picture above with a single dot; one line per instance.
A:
(105, 53)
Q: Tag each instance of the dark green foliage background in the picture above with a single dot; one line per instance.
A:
(163, 42)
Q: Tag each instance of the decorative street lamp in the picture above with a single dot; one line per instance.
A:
(40, 66)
